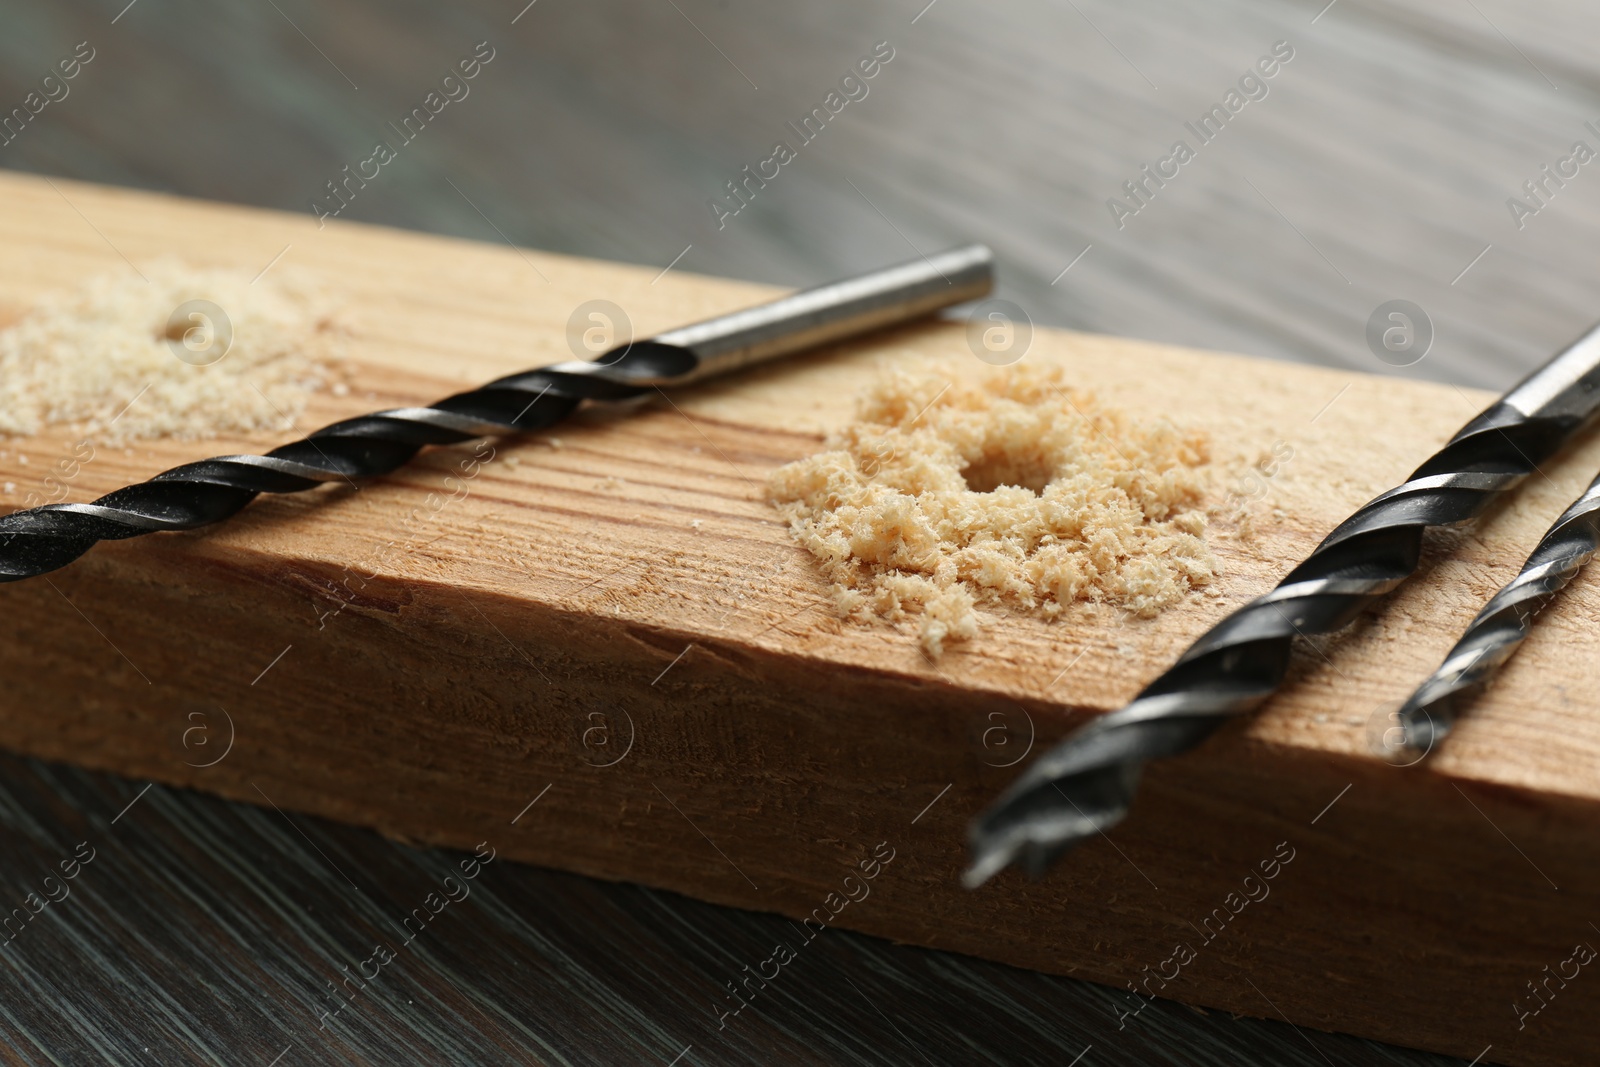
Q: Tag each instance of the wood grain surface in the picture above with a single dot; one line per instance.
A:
(207, 932)
(1407, 129)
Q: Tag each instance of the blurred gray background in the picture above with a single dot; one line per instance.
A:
(1377, 167)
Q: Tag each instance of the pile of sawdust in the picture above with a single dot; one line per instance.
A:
(1014, 490)
(81, 357)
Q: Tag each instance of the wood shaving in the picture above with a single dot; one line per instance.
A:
(102, 357)
(1014, 490)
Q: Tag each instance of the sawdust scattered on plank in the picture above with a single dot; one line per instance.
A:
(947, 495)
(113, 360)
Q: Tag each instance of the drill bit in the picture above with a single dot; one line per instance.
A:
(1086, 784)
(1494, 636)
(43, 539)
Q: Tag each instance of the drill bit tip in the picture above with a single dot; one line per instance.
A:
(1087, 783)
(1495, 634)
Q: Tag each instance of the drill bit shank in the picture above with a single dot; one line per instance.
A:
(1086, 784)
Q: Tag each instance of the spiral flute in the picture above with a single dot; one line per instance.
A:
(42, 539)
(1086, 784)
(1494, 636)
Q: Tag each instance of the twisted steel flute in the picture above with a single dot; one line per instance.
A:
(43, 539)
(1086, 784)
(1494, 636)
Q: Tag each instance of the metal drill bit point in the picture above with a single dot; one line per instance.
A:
(1494, 636)
(1086, 784)
(42, 539)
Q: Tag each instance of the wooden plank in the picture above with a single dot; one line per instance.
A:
(773, 747)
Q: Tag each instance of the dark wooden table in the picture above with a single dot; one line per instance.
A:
(1377, 165)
